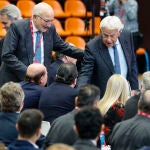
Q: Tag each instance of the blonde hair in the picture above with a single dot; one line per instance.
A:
(60, 146)
(117, 89)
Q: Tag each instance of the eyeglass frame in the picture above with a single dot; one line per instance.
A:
(47, 21)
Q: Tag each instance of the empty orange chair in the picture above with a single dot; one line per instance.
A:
(2, 31)
(76, 8)
(3, 3)
(60, 29)
(26, 7)
(58, 11)
(96, 26)
(77, 41)
(76, 26)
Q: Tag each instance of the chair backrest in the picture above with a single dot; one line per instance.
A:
(77, 41)
(3, 3)
(75, 25)
(26, 7)
(2, 31)
(75, 7)
(97, 21)
(58, 10)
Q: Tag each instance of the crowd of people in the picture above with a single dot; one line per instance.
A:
(103, 96)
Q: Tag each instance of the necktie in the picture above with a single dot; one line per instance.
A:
(38, 47)
(116, 60)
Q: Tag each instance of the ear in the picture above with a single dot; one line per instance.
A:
(75, 129)
(17, 127)
(21, 106)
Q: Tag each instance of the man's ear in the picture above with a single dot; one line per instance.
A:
(75, 129)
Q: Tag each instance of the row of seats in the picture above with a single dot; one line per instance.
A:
(72, 8)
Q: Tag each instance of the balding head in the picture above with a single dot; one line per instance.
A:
(144, 102)
(36, 73)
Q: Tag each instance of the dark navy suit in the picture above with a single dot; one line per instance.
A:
(56, 100)
(32, 94)
(97, 65)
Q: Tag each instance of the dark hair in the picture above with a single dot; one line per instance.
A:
(29, 122)
(35, 78)
(67, 73)
(88, 122)
(144, 102)
(87, 95)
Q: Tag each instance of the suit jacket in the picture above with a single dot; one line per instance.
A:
(131, 134)
(97, 65)
(56, 100)
(1, 45)
(8, 132)
(32, 94)
(81, 144)
(53, 70)
(62, 131)
(131, 107)
(18, 50)
(22, 145)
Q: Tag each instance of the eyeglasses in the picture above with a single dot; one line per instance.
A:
(47, 21)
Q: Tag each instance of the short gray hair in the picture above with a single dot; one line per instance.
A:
(11, 11)
(146, 80)
(112, 23)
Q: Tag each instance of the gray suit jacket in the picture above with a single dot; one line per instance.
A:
(17, 51)
(97, 65)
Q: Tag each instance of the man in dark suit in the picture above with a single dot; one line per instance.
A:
(88, 123)
(134, 133)
(99, 61)
(88, 96)
(8, 14)
(131, 106)
(58, 98)
(35, 80)
(11, 101)
(29, 130)
(21, 46)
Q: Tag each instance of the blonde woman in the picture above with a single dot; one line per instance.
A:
(112, 103)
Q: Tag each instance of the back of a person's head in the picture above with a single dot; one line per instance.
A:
(111, 23)
(29, 122)
(11, 11)
(60, 146)
(146, 80)
(117, 89)
(88, 95)
(36, 73)
(11, 97)
(67, 73)
(144, 102)
(88, 122)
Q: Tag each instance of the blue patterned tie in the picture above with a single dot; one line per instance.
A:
(38, 48)
(116, 60)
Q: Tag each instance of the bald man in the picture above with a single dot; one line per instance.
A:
(23, 48)
(35, 80)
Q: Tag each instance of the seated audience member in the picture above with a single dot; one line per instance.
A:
(58, 98)
(88, 124)
(60, 59)
(11, 101)
(134, 133)
(60, 146)
(35, 80)
(29, 129)
(61, 130)
(131, 107)
(8, 14)
(113, 101)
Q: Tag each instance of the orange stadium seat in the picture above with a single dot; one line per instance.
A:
(2, 31)
(26, 7)
(58, 10)
(76, 26)
(77, 41)
(76, 8)
(3, 3)
(60, 29)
